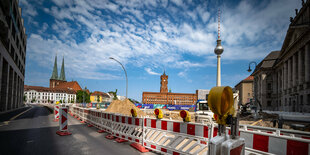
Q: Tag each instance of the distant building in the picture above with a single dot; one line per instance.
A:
(165, 97)
(245, 88)
(282, 79)
(203, 94)
(59, 90)
(61, 82)
(13, 40)
(37, 94)
(101, 97)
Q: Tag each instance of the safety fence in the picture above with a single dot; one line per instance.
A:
(175, 137)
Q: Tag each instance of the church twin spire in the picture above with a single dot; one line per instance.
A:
(62, 76)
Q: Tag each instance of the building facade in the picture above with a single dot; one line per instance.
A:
(165, 97)
(245, 88)
(282, 79)
(202, 94)
(36, 94)
(12, 55)
(100, 97)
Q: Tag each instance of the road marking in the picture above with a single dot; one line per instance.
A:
(19, 114)
(11, 119)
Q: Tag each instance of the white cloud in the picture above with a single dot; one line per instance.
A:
(146, 37)
(149, 71)
(28, 9)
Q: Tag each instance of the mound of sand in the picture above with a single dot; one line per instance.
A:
(123, 107)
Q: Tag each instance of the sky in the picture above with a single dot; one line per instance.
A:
(149, 37)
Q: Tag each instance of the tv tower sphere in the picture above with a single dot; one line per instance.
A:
(219, 48)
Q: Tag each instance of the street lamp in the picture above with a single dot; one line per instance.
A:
(249, 70)
(125, 74)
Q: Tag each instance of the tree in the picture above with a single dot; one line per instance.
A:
(133, 100)
(98, 98)
(48, 100)
(25, 98)
(114, 94)
(33, 100)
(80, 94)
(72, 101)
(60, 101)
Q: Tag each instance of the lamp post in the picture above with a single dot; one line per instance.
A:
(125, 74)
(249, 70)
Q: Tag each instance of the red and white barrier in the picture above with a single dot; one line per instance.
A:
(173, 137)
(56, 113)
(63, 122)
(127, 128)
(167, 136)
(276, 144)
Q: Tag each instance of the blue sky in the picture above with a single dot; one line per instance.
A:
(148, 37)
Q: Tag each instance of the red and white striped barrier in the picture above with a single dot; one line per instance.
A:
(277, 144)
(127, 128)
(173, 137)
(63, 122)
(167, 136)
(56, 113)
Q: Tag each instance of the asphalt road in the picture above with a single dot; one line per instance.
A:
(32, 131)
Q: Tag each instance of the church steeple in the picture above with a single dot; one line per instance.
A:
(55, 71)
(62, 72)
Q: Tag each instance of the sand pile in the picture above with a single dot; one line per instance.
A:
(123, 107)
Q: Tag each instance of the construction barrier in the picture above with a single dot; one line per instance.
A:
(63, 122)
(175, 137)
(127, 128)
(56, 113)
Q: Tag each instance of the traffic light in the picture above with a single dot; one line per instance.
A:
(220, 101)
(185, 115)
(158, 113)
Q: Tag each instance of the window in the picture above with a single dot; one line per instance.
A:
(269, 86)
(249, 94)
(280, 103)
(301, 99)
(269, 103)
(268, 95)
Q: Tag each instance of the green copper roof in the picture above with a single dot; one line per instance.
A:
(55, 72)
(62, 72)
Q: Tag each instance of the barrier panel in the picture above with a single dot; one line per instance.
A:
(166, 136)
(127, 128)
(56, 113)
(174, 137)
(275, 143)
(63, 122)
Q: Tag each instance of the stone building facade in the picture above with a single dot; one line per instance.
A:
(245, 88)
(37, 94)
(13, 40)
(282, 79)
(165, 97)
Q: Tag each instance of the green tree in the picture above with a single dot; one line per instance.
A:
(80, 94)
(98, 98)
(60, 101)
(72, 101)
(114, 94)
(48, 100)
(33, 100)
(25, 98)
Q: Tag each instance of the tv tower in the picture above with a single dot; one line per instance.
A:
(218, 51)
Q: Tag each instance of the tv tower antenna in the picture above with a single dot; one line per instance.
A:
(218, 51)
(219, 24)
